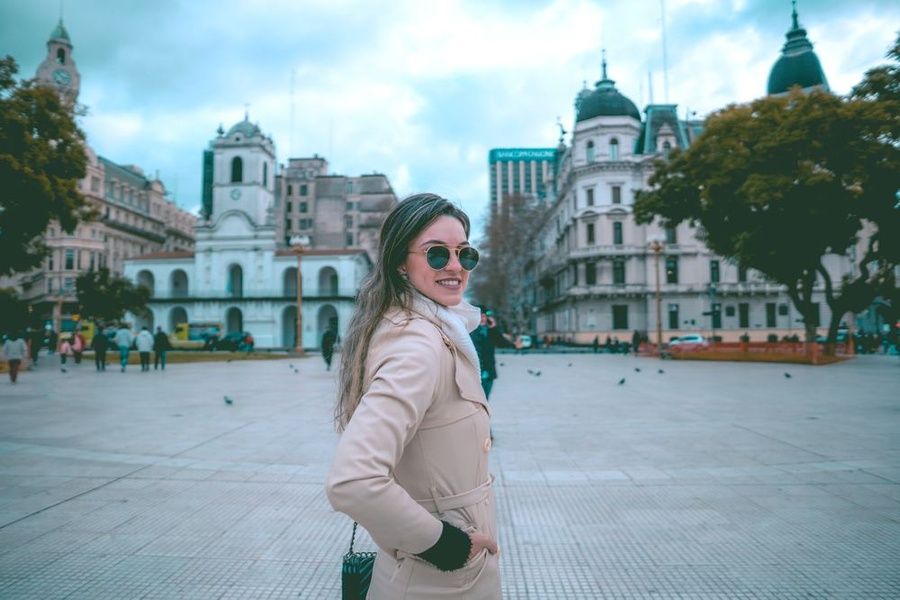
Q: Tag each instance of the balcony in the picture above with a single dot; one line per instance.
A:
(176, 296)
(751, 287)
(607, 250)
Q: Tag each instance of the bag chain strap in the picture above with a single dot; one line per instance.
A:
(353, 536)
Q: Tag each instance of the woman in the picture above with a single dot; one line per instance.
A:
(412, 463)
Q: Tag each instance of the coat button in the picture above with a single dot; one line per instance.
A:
(487, 444)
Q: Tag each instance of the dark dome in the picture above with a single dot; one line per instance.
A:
(798, 64)
(60, 34)
(604, 101)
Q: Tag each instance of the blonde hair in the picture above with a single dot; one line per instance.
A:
(384, 288)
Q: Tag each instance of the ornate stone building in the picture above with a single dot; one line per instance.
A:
(595, 271)
(135, 213)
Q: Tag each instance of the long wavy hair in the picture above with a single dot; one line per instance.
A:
(385, 288)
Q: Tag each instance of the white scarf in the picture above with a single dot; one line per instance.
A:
(456, 323)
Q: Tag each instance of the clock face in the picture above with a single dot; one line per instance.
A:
(235, 194)
(62, 77)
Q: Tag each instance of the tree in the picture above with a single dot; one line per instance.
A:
(781, 182)
(42, 159)
(13, 311)
(499, 282)
(103, 296)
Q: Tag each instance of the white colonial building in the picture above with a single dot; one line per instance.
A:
(237, 275)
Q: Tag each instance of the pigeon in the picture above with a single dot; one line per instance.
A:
(502, 364)
(637, 370)
(296, 370)
(292, 366)
(63, 369)
(622, 381)
(228, 400)
(660, 371)
(787, 375)
(570, 364)
(537, 373)
(530, 372)
(229, 360)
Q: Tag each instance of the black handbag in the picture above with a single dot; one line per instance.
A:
(356, 572)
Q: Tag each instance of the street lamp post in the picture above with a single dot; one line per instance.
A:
(299, 244)
(656, 245)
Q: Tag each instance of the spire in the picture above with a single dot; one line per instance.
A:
(604, 63)
(796, 23)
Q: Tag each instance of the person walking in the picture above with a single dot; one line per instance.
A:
(144, 344)
(15, 351)
(52, 341)
(65, 351)
(483, 339)
(35, 339)
(123, 340)
(161, 345)
(328, 340)
(100, 344)
(596, 344)
(411, 463)
(78, 345)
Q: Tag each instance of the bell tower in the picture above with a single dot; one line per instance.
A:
(58, 69)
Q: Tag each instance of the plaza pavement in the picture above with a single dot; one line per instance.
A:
(711, 480)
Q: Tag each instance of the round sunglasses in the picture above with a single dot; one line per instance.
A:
(438, 256)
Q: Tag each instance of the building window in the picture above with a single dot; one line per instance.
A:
(589, 194)
(303, 207)
(617, 194)
(348, 221)
(714, 271)
(290, 191)
(69, 284)
(743, 314)
(237, 170)
(671, 269)
(673, 316)
(287, 224)
(590, 151)
(349, 239)
(742, 274)
(729, 310)
(619, 271)
(95, 184)
(590, 233)
(50, 260)
(617, 233)
(614, 149)
(671, 235)
(265, 174)
(50, 285)
(783, 310)
(770, 314)
(666, 148)
(303, 189)
(61, 56)
(289, 206)
(620, 316)
(575, 274)
(590, 273)
(70, 259)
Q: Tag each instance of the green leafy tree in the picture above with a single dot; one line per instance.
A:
(42, 159)
(103, 296)
(782, 182)
(13, 311)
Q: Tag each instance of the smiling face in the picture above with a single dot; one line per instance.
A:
(447, 285)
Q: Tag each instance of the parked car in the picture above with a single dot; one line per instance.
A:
(526, 341)
(233, 341)
(691, 339)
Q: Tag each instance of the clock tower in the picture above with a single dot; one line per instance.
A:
(58, 69)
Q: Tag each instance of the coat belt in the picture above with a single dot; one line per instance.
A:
(441, 504)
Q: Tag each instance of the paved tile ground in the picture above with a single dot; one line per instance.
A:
(705, 481)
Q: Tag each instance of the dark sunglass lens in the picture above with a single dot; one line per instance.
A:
(468, 258)
(438, 257)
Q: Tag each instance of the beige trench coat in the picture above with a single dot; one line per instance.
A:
(415, 452)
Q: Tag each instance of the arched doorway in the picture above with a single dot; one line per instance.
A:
(289, 283)
(178, 283)
(234, 320)
(289, 327)
(145, 280)
(327, 316)
(328, 282)
(177, 315)
(235, 287)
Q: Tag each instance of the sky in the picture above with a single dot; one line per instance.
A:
(417, 90)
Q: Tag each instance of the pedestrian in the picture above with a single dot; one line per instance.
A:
(161, 345)
(411, 464)
(78, 345)
(123, 340)
(607, 345)
(144, 344)
(328, 340)
(65, 351)
(485, 344)
(15, 351)
(249, 342)
(52, 340)
(596, 344)
(635, 341)
(100, 344)
(35, 341)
